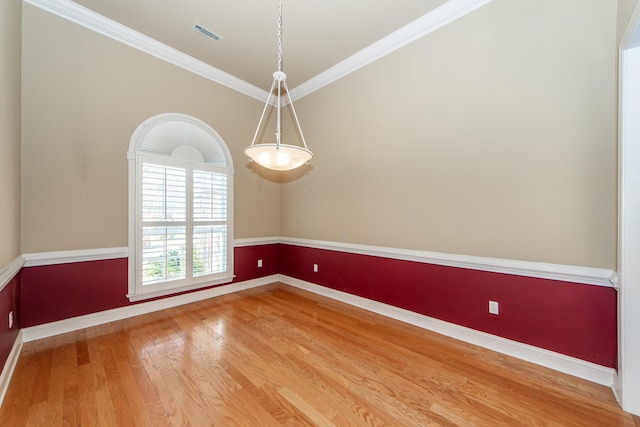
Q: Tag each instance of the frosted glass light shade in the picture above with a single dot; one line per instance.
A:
(278, 157)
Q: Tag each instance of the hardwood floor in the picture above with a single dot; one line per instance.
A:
(276, 355)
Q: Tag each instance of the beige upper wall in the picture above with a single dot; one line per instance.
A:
(83, 96)
(494, 136)
(508, 116)
(10, 12)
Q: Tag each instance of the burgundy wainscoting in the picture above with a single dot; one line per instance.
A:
(573, 319)
(246, 261)
(9, 297)
(61, 291)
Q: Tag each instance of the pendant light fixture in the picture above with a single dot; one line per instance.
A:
(276, 155)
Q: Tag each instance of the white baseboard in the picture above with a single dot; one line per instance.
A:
(10, 366)
(559, 362)
(81, 322)
(569, 365)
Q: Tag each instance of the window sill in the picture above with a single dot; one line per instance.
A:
(156, 293)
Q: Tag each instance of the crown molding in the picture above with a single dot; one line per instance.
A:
(437, 18)
(93, 21)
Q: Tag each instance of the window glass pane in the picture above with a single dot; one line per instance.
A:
(209, 196)
(209, 250)
(163, 193)
(163, 254)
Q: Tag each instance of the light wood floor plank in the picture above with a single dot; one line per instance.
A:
(279, 356)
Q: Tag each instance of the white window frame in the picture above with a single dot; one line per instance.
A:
(164, 139)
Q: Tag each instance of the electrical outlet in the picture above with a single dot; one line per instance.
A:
(315, 268)
(494, 307)
(10, 319)
(259, 263)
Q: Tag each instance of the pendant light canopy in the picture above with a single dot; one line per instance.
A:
(275, 155)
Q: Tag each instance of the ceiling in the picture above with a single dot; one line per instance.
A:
(323, 40)
(316, 34)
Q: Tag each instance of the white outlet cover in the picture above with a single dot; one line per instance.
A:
(494, 307)
(259, 263)
(315, 268)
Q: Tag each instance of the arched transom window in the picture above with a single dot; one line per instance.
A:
(180, 207)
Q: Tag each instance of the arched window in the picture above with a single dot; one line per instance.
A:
(180, 207)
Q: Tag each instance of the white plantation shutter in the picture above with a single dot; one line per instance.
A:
(209, 196)
(182, 234)
(163, 193)
(163, 254)
(184, 211)
(164, 223)
(210, 222)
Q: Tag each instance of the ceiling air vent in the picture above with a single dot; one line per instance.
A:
(208, 33)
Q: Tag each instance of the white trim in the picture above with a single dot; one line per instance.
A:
(437, 18)
(256, 241)
(81, 255)
(10, 366)
(76, 323)
(628, 385)
(9, 272)
(616, 387)
(567, 273)
(559, 362)
(93, 21)
(170, 288)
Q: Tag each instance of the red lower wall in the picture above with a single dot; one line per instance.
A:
(573, 319)
(9, 299)
(55, 292)
(60, 291)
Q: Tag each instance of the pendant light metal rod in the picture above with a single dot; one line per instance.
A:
(278, 119)
(264, 111)
(295, 116)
